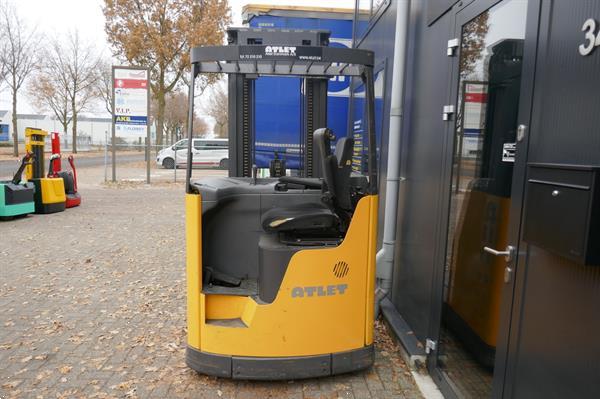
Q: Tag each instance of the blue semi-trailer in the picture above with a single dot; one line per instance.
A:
(278, 127)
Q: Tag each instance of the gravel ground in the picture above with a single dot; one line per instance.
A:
(92, 304)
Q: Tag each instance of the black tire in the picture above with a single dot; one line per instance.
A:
(168, 163)
(224, 163)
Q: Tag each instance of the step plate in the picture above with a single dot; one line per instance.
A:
(248, 287)
(232, 323)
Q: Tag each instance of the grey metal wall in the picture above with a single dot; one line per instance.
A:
(423, 159)
(554, 351)
(423, 156)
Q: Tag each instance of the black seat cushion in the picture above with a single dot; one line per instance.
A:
(299, 218)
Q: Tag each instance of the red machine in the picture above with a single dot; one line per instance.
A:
(69, 177)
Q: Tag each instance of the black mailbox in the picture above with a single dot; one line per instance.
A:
(562, 213)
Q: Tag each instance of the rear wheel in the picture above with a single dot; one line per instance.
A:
(168, 163)
(224, 164)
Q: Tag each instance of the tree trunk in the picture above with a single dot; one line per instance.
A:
(74, 121)
(160, 116)
(14, 122)
(220, 130)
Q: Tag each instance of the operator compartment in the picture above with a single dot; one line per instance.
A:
(252, 227)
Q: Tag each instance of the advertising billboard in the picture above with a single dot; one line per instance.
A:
(131, 100)
(475, 98)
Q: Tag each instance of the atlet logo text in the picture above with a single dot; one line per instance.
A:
(321, 290)
(280, 50)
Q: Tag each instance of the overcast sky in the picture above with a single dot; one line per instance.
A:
(56, 17)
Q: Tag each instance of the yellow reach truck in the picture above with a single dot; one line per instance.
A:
(281, 271)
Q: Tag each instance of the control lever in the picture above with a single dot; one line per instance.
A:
(254, 174)
(72, 163)
(51, 171)
(26, 161)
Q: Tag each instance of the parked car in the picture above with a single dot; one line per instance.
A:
(205, 153)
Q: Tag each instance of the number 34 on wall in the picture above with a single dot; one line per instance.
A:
(592, 37)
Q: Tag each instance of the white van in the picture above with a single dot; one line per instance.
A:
(205, 153)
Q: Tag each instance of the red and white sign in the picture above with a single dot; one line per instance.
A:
(475, 105)
(475, 99)
(131, 84)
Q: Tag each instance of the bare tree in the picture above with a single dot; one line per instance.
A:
(200, 127)
(67, 80)
(175, 115)
(473, 44)
(17, 57)
(49, 93)
(104, 84)
(217, 107)
(176, 118)
(2, 41)
(83, 63)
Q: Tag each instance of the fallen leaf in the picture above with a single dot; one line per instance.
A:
(65, 369)
(11, 384)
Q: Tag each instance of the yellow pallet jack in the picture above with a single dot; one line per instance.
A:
(49, 194)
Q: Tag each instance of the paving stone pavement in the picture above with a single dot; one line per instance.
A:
(92, 305)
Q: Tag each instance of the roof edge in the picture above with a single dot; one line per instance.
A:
(252, 10)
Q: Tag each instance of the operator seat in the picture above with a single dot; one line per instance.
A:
(334, 214)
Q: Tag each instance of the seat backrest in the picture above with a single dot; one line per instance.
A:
(336, 167)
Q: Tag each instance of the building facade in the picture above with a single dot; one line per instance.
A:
(91, 130)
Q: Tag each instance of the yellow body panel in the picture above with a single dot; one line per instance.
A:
(291, 326)
(193, 234)
(372, 247)
(477, 278)
(53, 190)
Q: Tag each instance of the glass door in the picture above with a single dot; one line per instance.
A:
(489, 73)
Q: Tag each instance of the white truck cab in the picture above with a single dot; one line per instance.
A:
(205, 153)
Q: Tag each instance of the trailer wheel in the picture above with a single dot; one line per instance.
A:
(224, 163)
(168, 163)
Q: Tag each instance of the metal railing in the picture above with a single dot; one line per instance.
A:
(125, 159)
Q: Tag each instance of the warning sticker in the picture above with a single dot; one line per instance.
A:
(508, 152)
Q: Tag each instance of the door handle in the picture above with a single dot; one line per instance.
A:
(508, 253)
